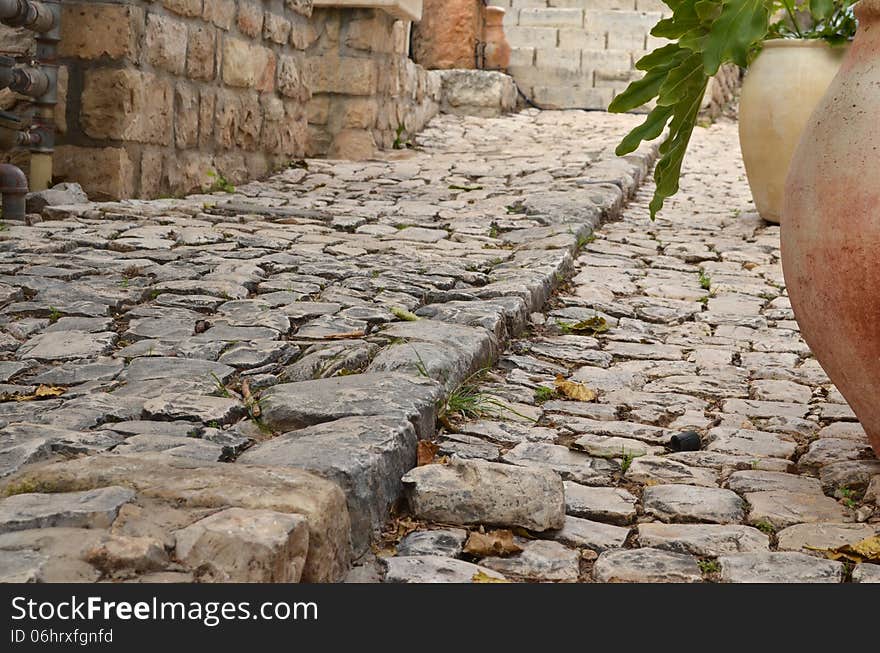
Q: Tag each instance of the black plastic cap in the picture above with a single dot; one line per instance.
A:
(687, 441)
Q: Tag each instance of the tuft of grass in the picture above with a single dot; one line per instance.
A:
(705, 280)
(583, 241)
(709, 567)
(54, 315)
(543, 393)
(219, 183)
(765, 527)
(400, 140)
(494, 230)
(220, 387)
(849, 497)
(626, 462)
(467, 401)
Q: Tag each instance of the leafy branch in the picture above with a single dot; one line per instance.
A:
(704, 35)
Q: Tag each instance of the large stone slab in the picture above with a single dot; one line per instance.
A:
(572, 465)
(67, 345)
(658, 469)
(477, 492)
(88, 509)
(293, 406)
(778, 567)
(782, 509)
(449, 353)
(366, 456)
(434, 569)
(245, 546)
(187, 483)
(689, 503)
(754, 480)
(591, 534)
(807, 538)
(866, 573)
(607, 504)
(539, 561)
(750, 443)
(646, 566)
(708, 540)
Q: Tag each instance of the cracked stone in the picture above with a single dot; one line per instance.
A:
(778, 567)
(477, 492)
(646, 566)
(782, 509)
(88, 509)
(433, 569)
(571, 465)
(447, 542)
(707, 540)
(67, 345)
(540, 560)
(690, 503)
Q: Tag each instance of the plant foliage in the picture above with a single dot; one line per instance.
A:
(704, 35)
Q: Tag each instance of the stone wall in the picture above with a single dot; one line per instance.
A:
(577, 53)
(164, 98)
(571, 54)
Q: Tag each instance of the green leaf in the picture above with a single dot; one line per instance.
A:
(650, 129)
(681, 80)
(660, 57)
(821, 9)
(708, 10)
(742, 24)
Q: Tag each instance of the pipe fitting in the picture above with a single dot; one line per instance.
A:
(14, 187)
(35, 16)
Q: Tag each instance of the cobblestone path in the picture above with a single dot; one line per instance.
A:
(700, 338)
(231, 386)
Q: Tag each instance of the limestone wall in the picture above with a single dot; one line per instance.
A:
(157, 96)
(580, 53)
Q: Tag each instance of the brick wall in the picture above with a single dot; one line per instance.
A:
(156, 95)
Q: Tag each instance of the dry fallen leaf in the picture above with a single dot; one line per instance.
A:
(868, 550)
(574, 390)
(493, 543)
(483, 577)
(252, 404)
(42, 392)
(427, 451)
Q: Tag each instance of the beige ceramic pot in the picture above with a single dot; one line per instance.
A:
(783, 86)
(831, 227)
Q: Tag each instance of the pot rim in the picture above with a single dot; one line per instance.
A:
(802, 43)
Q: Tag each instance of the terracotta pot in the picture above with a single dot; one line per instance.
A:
(831, 227)
(781, 89)
(497, 53)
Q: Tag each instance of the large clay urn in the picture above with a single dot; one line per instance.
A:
(782, 88)
(831, 226)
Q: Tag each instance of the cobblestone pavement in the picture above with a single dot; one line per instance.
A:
(700, 338)
(145, 347)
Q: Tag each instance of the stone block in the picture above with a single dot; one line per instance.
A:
(207, 103)
(151, 173)
(551, 17)
(91, 31)
(127, 105)
(250, 18)
(220, 13)
(165, 43)
(104, 173)
(345, 75)
(184, 7)
(186, 116)
(200, 55)
(276, 28)
(302, 32)
(248, 66)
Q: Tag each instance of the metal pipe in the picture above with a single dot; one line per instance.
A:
(24, 79)
(35, 16)
(14, 187)
(43, 148)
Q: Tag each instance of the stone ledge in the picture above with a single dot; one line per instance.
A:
(402, 9)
